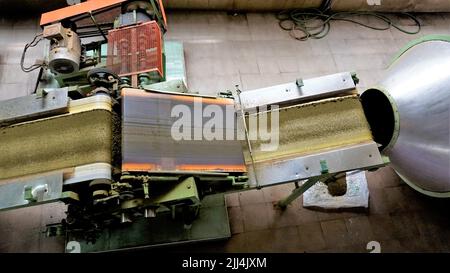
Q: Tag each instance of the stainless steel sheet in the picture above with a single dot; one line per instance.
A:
(148, 144)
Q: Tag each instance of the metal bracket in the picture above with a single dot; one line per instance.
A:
(298, 191)
(300, 91)
(31, 191)
(249, 145)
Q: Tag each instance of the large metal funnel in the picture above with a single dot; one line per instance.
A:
(409, 114)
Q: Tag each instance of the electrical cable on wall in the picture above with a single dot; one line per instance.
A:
(304, 24)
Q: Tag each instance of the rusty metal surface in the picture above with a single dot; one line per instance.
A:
(148, 145)
(136, 49)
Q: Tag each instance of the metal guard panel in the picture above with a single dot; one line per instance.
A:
(295, 92)
(13, 194)
(148, 146)
(33, 106)
(361, 156)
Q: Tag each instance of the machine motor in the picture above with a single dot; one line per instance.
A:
(65, 49)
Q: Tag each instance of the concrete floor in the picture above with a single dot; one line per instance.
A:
(400, 219)
(250, 50)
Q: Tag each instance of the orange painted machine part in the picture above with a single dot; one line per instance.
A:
(143, 167)
(163, 11)
(182, 98)
(136, 49)
(137, 103)
(216, 168)
(85, 7)
(149, 167)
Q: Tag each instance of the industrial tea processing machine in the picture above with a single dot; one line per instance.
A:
(98, 132)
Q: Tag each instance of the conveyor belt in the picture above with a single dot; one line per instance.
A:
(83, 136)
(310, 128)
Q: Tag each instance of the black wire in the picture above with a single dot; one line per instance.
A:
(91, 33)
(325, 6)
(304, 24)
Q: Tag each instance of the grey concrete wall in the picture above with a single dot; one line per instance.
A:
(252, 51)
(36, 6)
(14, 34)
(22, 230)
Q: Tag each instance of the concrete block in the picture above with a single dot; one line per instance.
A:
(311, 237)
(276, 193)
(354, 62)
(268, 65)
(359, 230)
(212, 85)
(232, 199)
(288, 64)
(257, 217)
(224, 67)
(53, 213)
(236, 244)
(287, 240)
(13, 90)
(260, 241)
(382, 227)
(246, 65)
(335, 233)
(287, 217)
(378, 202)
(319, 64)
(320, 47)
(236, 221)
(251, 197)
(404, 225)
(199, 66)
(252, 81)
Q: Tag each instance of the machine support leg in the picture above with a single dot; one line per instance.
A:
(298, 191)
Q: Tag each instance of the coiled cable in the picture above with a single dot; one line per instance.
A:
(304, 24)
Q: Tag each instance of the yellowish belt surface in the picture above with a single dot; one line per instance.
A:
(316, 126)
(82, 136)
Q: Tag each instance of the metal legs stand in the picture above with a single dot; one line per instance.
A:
(300, 190)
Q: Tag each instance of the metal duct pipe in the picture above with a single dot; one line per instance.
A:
(336, 5)
(409, 114)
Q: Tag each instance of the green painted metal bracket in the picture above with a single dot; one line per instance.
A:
(212, 224)
(27, 194)
(167, 86)
(185, 190)
(323, 166)
(302, 189)
(355, 77)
